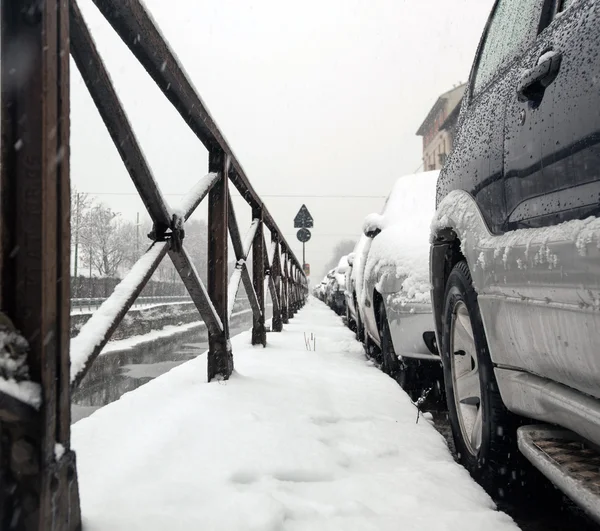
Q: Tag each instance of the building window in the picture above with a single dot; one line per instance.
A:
(442, 157)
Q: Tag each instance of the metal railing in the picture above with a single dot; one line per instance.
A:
(83, 303)
(39, 482)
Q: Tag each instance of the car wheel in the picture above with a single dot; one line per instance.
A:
(349, 320)
(360, 330)
(371, 348)
(484, 430)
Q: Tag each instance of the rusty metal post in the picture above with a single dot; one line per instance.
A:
(259, 333)
(276, 321)
(296, 298)
(38, 475)
(285, 289)
(220, 357)
(299, 290)
(292, 290)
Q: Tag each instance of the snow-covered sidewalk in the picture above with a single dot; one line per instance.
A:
(295, 440)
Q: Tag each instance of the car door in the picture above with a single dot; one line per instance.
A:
(552, 145)
(476, 164)
(552, 175)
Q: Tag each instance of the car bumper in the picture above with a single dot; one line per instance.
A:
(407, 323)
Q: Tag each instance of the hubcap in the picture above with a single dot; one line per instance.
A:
(465, 378)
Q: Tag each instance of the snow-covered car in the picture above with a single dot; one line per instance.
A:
(358, 268)
(321, 290)
(349, 294)
(336, 298)
(395, 296)
(515, 256)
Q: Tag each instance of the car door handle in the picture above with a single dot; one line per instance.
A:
(534, 81)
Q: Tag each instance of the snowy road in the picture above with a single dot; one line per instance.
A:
(296, 440)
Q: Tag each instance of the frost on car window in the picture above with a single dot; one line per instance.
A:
(508, 31)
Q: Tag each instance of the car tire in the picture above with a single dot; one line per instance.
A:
(390, 363)
(484, 431)
(371, 349)
(350, 322)
(360, 329)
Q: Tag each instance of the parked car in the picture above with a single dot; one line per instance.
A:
(321, 290)
(336, 298)
(394, 295)
(515, 256)
(358, 268)
(349, 294)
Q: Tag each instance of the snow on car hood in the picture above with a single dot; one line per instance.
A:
(402, 247)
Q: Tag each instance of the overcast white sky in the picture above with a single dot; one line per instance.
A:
(321, 97)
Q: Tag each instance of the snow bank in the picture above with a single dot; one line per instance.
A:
(402, 247)
(25, 391)
(295, 440)
(14, 371)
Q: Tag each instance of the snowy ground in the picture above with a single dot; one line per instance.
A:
(296, 440)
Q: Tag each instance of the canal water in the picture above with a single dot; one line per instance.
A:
(117, 372)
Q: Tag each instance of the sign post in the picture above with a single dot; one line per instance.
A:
(303, 221)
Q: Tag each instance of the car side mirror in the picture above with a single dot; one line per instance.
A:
(372, 225)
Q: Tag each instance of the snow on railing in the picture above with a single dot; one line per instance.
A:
(247, 244)
(195, 196)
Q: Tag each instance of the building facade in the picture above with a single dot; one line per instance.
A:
(438, 128)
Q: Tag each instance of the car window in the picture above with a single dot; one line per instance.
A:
(507, 32)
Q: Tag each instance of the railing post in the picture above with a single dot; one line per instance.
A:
(259, 333)
(297, 305)
(276, 321)
(38, 483)
(296, 291)
(220, 357)
(293, 308)
(285, 290)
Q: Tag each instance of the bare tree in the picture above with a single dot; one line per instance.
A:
(81, 203)
(106, 241)
(342, 248)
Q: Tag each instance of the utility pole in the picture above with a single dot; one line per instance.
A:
(91, 290)
(77, 219)
(77, 207)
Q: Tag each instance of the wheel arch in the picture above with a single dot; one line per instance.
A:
(445, 254)
(377, 300)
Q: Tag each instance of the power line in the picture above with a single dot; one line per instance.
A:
(317, 234)
(291, 196)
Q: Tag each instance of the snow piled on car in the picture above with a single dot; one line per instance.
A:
(403, 243)
(340, 272)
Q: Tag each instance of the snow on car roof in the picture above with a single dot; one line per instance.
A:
(412, 203)
(403, 244)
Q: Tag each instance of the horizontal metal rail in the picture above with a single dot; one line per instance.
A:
(94, 302)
